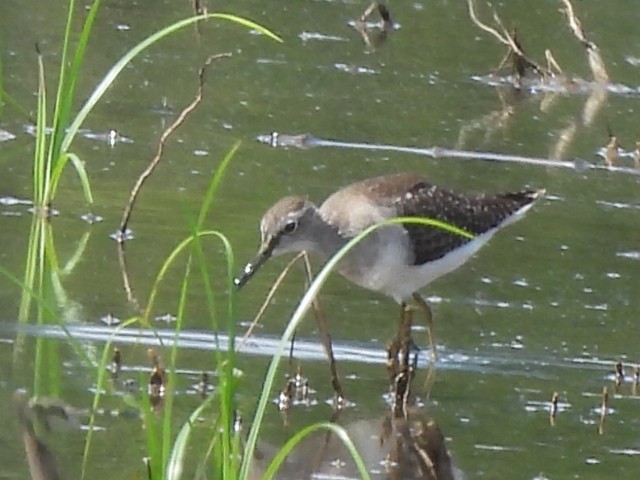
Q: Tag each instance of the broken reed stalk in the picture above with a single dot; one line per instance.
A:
(553, 411)
(521, 60)
(619, 375)
(116, 363)
(482, 26)
(161, 144)
(203, 385)
(603, 409)
(596, 63)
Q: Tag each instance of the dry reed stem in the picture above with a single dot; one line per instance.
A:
(509, 40)
(596, 64)
(603, 409)
(268, 298)
(482, 26)
(553, 412)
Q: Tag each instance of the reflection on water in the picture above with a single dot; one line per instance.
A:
(502, 359)
(551, 307)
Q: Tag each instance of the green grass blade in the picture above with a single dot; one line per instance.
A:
(69, 75)
(228, 445)
(246, 23)
(99, 388)
(176, 461)
(337, 430)
(169, 261)
(80, 170)
(152, 435)
(77, 256)
(39, 160)
(207, 201)
(227, 377)
(171, 377)
(63, 100)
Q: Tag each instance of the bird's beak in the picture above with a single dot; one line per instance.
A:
(264, 254)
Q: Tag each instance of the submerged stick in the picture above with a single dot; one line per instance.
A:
(305, 141)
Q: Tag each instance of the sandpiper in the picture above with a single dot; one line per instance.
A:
(396, 259)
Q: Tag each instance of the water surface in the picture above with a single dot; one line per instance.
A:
(549, 305)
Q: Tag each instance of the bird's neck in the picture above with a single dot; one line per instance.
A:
(326, 239)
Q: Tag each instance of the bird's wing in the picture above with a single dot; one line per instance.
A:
(407, 195)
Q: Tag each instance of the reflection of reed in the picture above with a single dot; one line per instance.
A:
(35, 417)
(526, 72)
(492, 122)
(407, 449)
(407, 445)
(42, 464)
(156, 386)
(126, 282)
(591, 109)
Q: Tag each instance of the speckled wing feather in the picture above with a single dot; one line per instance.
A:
(413, 196)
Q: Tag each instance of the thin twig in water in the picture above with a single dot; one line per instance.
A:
(163, 139)
(482, 26)
(267, 300)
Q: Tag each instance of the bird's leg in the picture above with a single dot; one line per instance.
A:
(401, 368)
(398, 347)
(326, 340)
(424, 306)
(405, 341)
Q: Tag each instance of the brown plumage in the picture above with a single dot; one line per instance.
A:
(395, 259)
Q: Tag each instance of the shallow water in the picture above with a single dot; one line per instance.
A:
(549, 305)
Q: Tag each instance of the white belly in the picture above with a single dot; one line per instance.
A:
(392, 275)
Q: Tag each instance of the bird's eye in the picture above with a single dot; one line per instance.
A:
(290, 226)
